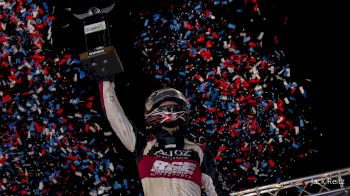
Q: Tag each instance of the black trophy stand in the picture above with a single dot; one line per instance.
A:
(100, 59)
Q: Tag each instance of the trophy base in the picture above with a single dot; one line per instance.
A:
(102, 62)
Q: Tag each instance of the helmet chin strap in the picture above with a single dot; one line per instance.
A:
(170, 136)
(171, 130)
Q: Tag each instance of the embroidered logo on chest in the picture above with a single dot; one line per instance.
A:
(173, 153)
(173, 168)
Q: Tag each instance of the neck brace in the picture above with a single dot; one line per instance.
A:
(170, 136)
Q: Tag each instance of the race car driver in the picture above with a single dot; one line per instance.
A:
(168, 163)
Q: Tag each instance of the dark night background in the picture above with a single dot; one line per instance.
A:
(316, 46)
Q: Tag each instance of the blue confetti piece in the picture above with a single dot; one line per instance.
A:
(156, 17)
(197, 7)
(31, 127)
(295, 146)
(46, 97)
(231, 26)
(75, 101)
(97, 179)
(68, 61)
(86, 161)
(59, 120)
(188, 33)
(117, 186)
(164, 20)
(301, 123)
(209, 122)
(172, 27)
(82, 73)
(38, 21)
(146, 23)
(210, 131)
(246, 39)
(76, 61)
(125, 183)
(92, 141)
(46, 7)
(51, 176)
(51, 87)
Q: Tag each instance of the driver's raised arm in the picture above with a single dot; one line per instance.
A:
(115, 114)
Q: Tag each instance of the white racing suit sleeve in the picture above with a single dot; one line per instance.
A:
(116, 116)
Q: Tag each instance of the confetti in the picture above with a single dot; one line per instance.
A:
(45, 106)
(237, 80)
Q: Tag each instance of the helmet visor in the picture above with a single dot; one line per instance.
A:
(167, 114)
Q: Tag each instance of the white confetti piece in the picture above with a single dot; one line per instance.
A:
(78, 115)
(231, 70)
(218, 70)
(280, 119)
(100, 191)
(111, 167)
(100, 155)
(253, 110)
(91, 128)
(296, 129)
(223, 97)
(272, 125)
(78, 173)
(256, 170)
(258, 87)
(60, 137)
(39, 90)
(286, 100)
(98, 126)
(19, 141)
(21, 108)
(41, 185)
(49, 34)
(270, 141)
(69, 150)
(63, 150)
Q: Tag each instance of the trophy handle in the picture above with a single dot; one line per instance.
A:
(91, 12)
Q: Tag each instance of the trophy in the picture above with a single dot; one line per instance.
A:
(100, 57)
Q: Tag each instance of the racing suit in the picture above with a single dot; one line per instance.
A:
(164, 170)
